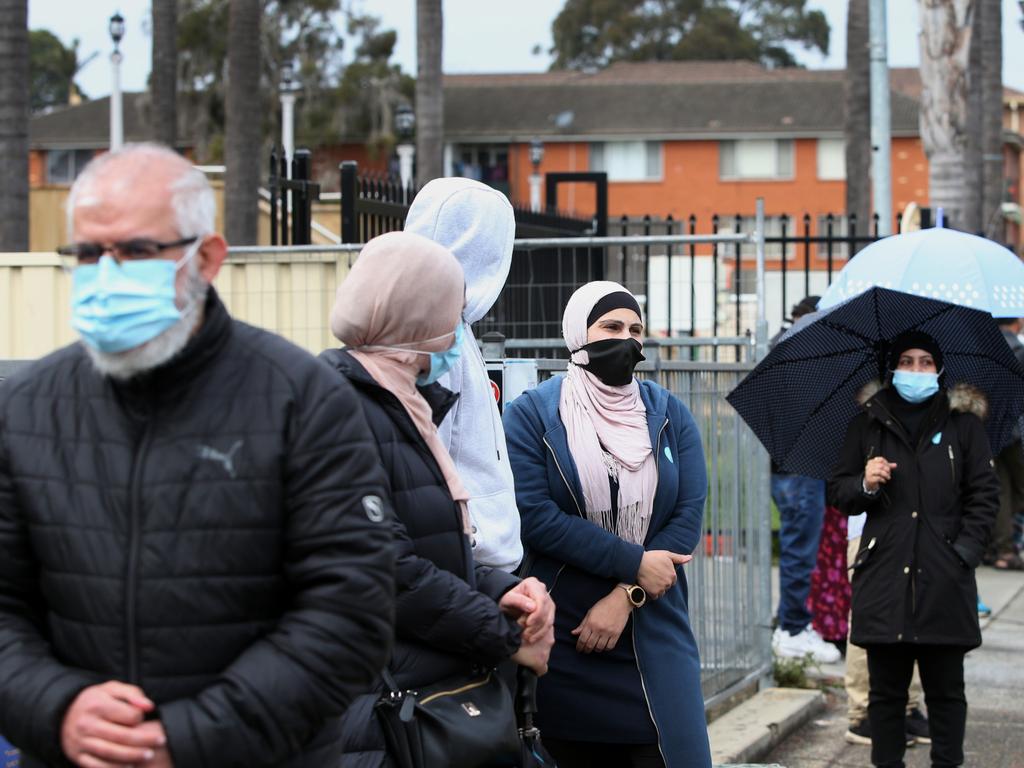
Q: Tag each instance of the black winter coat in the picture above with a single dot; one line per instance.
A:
(215, 531)
(447, 617)
(926, 529)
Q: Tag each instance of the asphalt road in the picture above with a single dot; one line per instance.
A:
(995, 696)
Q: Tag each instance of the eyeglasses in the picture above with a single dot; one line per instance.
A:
(123, 250)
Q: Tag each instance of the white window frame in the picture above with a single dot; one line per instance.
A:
(653, 154)
(781, 155)
(824, 148)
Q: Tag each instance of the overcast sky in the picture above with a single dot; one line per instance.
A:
(480, 36)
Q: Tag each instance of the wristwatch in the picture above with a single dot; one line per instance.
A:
(636, 594)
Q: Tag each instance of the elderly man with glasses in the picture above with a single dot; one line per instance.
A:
(195, 555)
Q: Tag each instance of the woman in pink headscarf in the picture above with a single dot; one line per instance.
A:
(399, 312)
(610, 482)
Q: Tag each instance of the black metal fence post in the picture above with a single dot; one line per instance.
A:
(349, 180)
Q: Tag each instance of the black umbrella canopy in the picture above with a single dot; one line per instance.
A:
(800, 399)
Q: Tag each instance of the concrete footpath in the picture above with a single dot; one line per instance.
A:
(995, 690)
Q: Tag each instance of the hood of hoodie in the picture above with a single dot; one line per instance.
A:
(477, 224)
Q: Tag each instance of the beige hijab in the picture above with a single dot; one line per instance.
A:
(401, 301)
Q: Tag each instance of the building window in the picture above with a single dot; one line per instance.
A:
(627, 160)
(64, 165)
(755, 159)
(483, 162)
(831, 160)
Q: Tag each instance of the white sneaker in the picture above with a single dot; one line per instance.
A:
(805, 642)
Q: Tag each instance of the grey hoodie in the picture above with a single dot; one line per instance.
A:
(476, 223)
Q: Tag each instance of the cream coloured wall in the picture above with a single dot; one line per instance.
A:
(290, 294)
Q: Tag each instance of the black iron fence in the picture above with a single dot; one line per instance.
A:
(291, 198)
(687, 289)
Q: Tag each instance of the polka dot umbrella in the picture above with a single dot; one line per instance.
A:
(938, 263)
(801, 397)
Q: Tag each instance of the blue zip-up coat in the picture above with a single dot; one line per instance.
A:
(557, 534)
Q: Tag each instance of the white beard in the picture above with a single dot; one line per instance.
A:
(157, 351)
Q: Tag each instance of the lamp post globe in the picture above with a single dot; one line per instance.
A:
(536, 153)
(116, 28)
(405, 123)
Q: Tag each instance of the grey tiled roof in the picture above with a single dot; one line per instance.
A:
(744, 101)
(87, 125)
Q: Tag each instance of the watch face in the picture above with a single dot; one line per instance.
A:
(637, 595)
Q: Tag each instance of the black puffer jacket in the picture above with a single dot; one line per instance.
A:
(447, 618)
(216, 532)
(913, 579)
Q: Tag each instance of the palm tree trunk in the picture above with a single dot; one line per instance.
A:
(429, 91)
(14, 109)
(857, 118)
(991, 15)
(164, 77)
(242, 122)
(945, 46)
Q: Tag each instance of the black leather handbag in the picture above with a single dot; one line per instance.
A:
(467, 721)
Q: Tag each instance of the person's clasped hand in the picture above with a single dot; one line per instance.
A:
(532, 607)
(105, 727)
(657, 574)
(877, 472)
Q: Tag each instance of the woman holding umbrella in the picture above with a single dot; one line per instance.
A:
(610, 482)
(917, 460)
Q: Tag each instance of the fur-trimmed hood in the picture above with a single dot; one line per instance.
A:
(964, 398)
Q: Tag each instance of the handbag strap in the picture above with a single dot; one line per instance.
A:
(389, 681)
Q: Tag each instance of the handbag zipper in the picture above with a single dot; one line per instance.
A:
(463, 689)
(952, 465)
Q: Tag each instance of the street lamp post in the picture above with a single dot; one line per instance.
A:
(405, 127)
(288, 117)
(536, 156)
(116, 28)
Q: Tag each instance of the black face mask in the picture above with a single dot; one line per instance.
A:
(613, 360)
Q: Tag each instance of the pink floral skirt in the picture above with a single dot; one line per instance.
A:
(829, 601)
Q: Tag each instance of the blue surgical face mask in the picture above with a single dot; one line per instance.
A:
(116, 307)
(915, 387)
(442, 362)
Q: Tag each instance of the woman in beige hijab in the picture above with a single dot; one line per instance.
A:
(399, 313)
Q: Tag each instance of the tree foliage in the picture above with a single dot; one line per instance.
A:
(52, 69)
(595, 33)
(336, 97)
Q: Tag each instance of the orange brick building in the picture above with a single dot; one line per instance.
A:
(682, 138)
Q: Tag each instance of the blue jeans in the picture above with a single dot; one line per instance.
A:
(801, 503)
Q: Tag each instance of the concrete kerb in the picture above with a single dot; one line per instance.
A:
(752, 729)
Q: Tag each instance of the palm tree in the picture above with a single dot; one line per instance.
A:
(164, 78)
(857, 122)
(992, 118)
(429, 91)
(945, 45)
(14, 110)
(242, 122)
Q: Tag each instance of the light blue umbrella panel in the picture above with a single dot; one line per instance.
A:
(941, 264)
